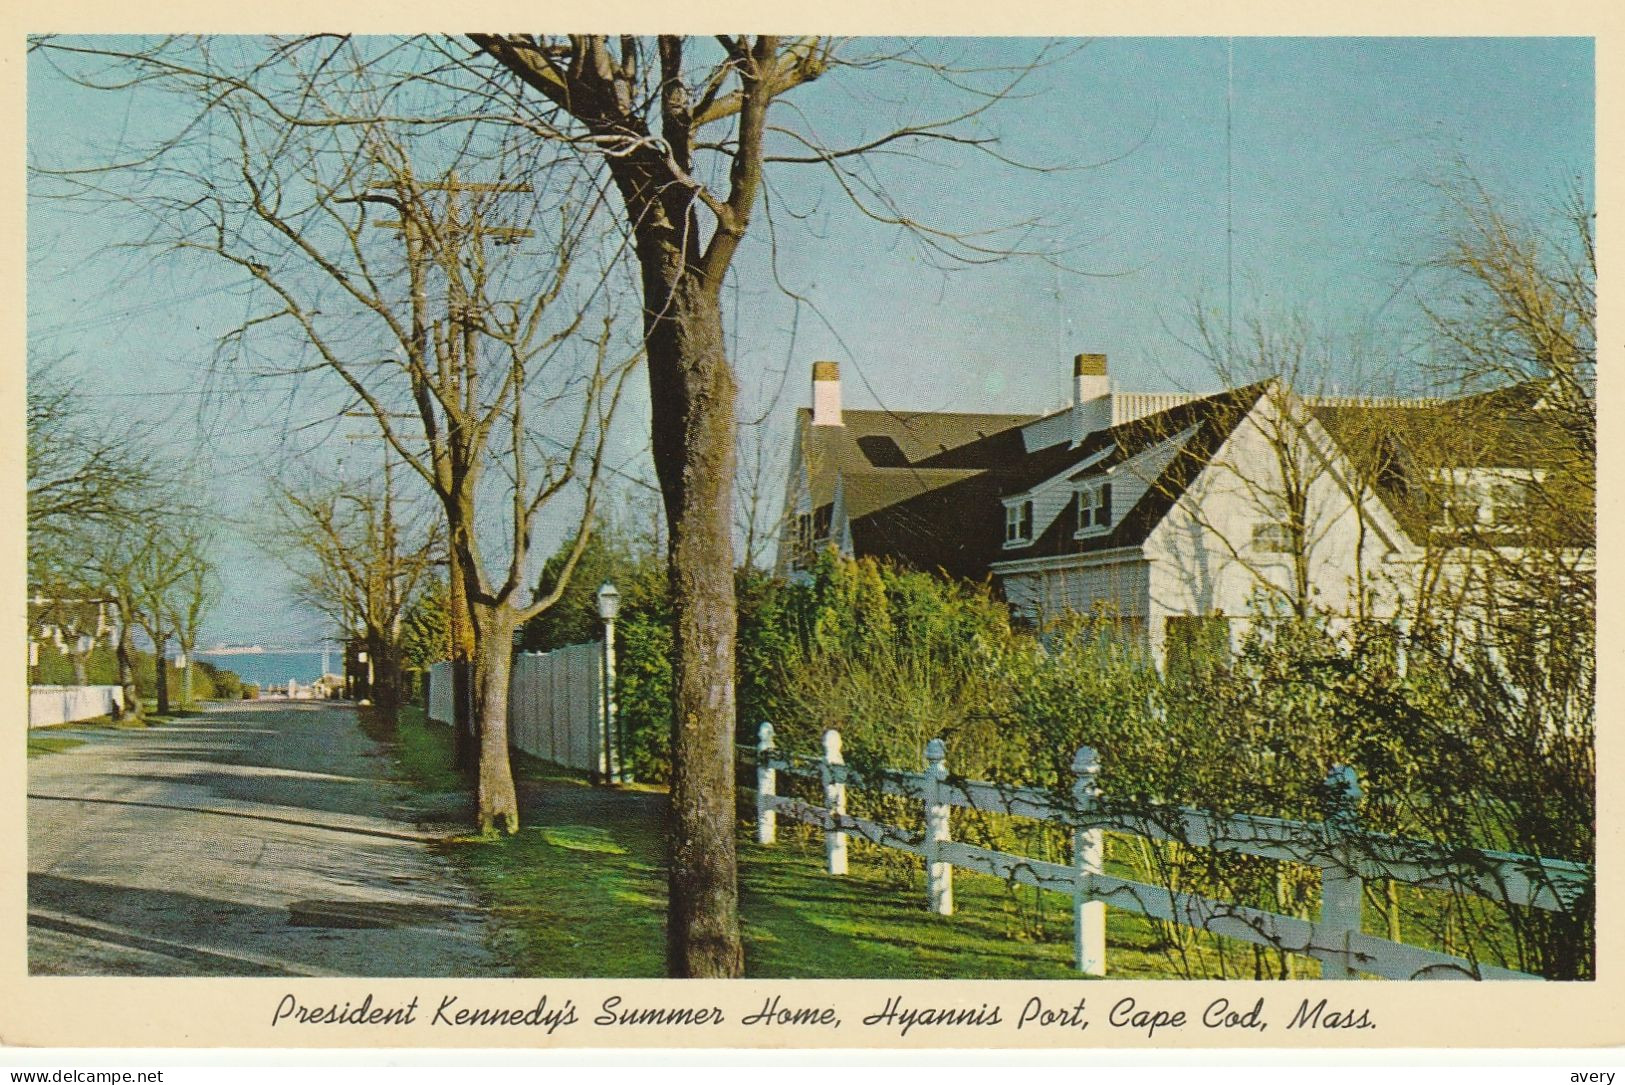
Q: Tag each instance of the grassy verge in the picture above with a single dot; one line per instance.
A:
(40, 745)
(581, 892)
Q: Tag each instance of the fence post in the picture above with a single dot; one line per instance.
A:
(834, 801)
(1341, 889)
(1088, 856)
(767, 786)
(939, 874)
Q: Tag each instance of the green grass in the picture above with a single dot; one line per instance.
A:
(873, 923)
(40, 745)
(581, 891)
(421, 748)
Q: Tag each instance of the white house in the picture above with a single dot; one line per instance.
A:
(1169, 511)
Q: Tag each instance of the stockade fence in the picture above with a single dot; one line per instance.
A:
(555, 708)
(1345, 854)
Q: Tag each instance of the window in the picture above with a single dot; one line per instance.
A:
(1273, 537)
(1460, 506)
(801, 556)
(823, 517)
(1018, 523)
(1484, 500)
(812, 532)
(1508, 506)
(1094, 508)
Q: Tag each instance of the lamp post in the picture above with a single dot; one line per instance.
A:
(609, 606)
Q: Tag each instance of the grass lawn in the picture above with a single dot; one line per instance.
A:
(40, 745)
(580, 891)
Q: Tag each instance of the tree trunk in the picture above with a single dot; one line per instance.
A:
(693, 426)
(386, 676)
(126, 676)
(460, 630)
(493, 665)
(81, 669)
(160, 670)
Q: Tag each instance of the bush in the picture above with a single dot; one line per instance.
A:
(209, 682)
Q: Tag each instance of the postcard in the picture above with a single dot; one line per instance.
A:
(1017, 531)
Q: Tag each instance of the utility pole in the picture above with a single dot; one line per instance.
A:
(422, 239)
(381, 598)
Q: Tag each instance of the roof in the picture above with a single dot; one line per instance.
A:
(913, 483)
(899, 443)
(927, 489)
(910, 481)
(1209, 421)
(1507, 429)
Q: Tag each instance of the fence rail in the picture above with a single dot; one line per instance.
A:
(1345, 854)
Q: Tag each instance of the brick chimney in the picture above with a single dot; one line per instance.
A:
(1091, 395)
(826, 394)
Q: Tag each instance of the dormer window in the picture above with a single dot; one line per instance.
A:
(1018, 523)
(1094, 508)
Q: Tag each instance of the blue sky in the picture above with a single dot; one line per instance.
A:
(1335, 148)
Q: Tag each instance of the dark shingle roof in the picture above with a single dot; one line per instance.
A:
(926, 489)
(1403, 447)
(911, 481)
(1210, 420)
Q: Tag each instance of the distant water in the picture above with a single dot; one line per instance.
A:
(275, 668)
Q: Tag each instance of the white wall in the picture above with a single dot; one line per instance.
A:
(49, 705)
(1204, 560)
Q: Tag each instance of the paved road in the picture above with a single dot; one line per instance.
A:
(259, 839)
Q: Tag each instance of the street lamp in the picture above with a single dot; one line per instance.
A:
(609, 607)
(609, 603)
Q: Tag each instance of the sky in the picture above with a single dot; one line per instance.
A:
(1319, 161)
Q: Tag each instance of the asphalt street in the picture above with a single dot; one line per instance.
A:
(257, 839)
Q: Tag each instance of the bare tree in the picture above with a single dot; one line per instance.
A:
(1508, 475)
(165, 561)
(95, 495)
(197, 593)
(682, 128)
(491, 373)
(359, 561)
(111, 563)
(1292, 499)
(84, 472)
(678, 129)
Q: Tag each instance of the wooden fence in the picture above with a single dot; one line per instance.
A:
(555, 707)
(1345, 854)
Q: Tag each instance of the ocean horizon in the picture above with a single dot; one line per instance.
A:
(275, 668)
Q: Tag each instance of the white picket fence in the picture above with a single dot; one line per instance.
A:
(50, 705)
(1346, 855)
(555, 707)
